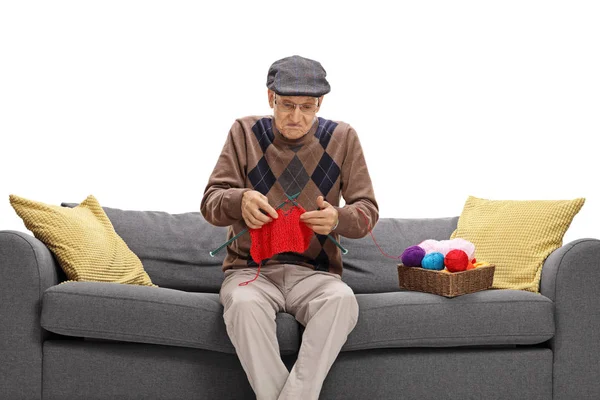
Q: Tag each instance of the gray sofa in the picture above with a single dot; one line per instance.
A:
(93, 340)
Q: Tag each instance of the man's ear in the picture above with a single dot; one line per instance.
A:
(320, 102)
(271, 95)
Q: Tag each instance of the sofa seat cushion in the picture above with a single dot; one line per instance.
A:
(134, 313)
(416, 319)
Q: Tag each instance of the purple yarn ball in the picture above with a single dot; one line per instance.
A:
(412, 256)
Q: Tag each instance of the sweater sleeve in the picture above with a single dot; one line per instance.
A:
(357, 190)
(222, 199)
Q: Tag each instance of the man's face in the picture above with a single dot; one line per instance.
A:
(294, 124)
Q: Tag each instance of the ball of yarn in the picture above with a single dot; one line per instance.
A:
(412, 256)
(462, 244)
(433, 261)
(444, 246)
(456, 260)
(429, 245)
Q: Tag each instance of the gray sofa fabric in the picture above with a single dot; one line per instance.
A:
(77, 370)
(414, 319)
(397, 319)
(170, 342)
(366, 270)
(147, 315)
(444, 373)
(158, 372)
(174, 248)
(27, 269)
(571, 279)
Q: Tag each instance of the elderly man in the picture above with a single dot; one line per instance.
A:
(263, 159)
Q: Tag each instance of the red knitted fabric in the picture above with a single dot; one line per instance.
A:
(286, 233)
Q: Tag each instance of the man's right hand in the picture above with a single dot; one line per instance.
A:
(253, 205)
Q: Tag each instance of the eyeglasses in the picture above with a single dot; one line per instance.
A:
(288, 106)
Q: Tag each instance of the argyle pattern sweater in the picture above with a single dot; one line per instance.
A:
(326, 161)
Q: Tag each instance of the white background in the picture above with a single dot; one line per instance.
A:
(132, 101)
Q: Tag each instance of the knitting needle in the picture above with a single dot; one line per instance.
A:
(344, 251)
(212, 253)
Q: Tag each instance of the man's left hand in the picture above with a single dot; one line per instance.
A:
(321, 221)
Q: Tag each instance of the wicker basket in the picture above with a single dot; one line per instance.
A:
(443, 283)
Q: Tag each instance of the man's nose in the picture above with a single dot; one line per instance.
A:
(296, 114)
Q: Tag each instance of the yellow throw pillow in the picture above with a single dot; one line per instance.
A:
(516, 235)
(83, 240)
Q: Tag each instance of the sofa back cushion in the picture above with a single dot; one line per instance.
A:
(174, 248)
(367, 270)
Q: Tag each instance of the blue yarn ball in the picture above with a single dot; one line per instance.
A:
(434, 261)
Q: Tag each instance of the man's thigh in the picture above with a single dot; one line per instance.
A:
(261, 291)
(314, 286)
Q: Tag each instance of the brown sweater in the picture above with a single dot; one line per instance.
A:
(327, 161)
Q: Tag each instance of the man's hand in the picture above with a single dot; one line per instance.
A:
(321, 221)
(253, 205)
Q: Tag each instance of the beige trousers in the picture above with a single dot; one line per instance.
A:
(324, 304)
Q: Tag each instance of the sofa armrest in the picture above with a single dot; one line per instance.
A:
(27, 269)
(571, 279)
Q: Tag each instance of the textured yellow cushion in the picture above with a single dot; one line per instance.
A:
(516, 235)
(83, 240)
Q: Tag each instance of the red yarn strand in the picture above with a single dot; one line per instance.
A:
(369, 228)
(255, 276)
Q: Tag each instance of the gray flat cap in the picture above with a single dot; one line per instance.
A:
(297, 76)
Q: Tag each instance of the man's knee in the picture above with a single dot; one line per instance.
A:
(350, 299)
(344, 295)
(241, 301)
